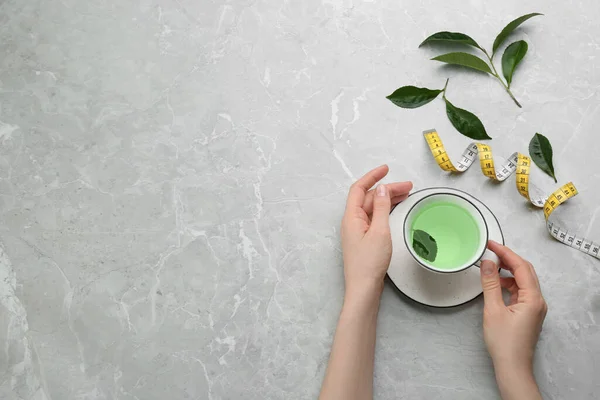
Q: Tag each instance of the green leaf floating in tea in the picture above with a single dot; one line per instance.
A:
(424, 245)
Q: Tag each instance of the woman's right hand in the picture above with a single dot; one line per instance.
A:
(511, 332)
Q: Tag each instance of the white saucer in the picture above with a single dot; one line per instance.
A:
(422, 285)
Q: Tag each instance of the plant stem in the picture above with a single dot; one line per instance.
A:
(500, 79)
(444, 89)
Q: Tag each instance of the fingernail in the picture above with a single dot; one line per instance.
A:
(381, 190)
(488, 268)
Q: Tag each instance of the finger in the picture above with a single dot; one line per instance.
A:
(394, 200)
(380, 222)
(358, 190)
(521, 269)
(537, 279)
(397, 190)
(398, 199)
(490, 282)
(511, 285)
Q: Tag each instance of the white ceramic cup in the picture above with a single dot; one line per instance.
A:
(482, 252)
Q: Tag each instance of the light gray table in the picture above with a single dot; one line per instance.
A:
(173, 173)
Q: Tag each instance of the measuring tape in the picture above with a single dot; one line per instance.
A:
(520, 164)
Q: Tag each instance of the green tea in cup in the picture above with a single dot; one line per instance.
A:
(446, 233)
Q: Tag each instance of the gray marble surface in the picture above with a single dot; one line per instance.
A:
(173, 174)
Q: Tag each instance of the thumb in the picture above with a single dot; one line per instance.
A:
(490, 281)
(381, 209)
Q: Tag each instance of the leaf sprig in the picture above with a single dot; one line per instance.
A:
(464, 121)
(512, 56)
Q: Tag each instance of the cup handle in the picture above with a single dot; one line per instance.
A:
(489, 255)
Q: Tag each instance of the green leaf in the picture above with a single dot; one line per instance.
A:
(412, 97)
(466, 122)
(451, 37)
(512, 56)
(464, 59)
(425, 246)
(508, 29)
(540, 151)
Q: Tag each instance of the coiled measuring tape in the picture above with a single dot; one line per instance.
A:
(520, 164)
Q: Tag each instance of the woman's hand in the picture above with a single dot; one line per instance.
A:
(511, 332)
(367, 246)
(366, 240)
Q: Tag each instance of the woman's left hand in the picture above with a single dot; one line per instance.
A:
(366, 239)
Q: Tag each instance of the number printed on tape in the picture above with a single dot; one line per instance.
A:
(520, 164)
